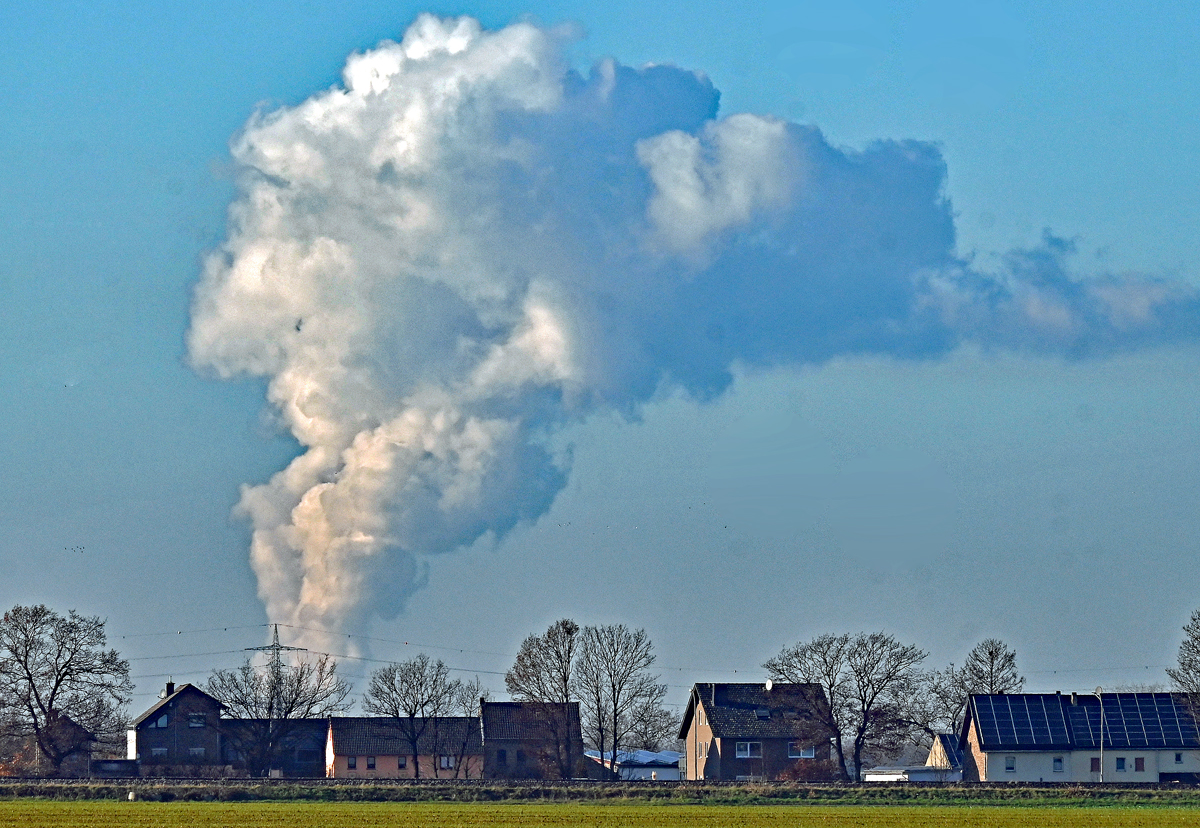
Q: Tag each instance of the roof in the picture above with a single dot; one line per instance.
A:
(640, 758)
(296, 731)
(522, 720)
(952, 749)
(385, 736)
(1052, 721)
(750, 709)
(163, 702)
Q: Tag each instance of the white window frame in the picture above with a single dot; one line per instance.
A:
(195, 751)
(1057, 764)
(748, 750)
(401, 762)
(445, 762)
(1010, 764)
(797, 750)
(1120, 764)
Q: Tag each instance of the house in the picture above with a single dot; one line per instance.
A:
(532, 740)
(945, 753)
(179, 735)
(362, 747)
(661, 766)
(754, 731)
(185, 734)
(21, 754)
(1113, 737)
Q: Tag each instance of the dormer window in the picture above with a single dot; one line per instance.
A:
(762, 713)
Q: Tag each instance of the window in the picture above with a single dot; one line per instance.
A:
(796, 750)
(1095, 764)
(1120, 763)
(520, 756)
(502, 757)
(351, 762)
(370, 763)
(1058, 764)
(158, 751)
(196, 751)
(197, 720)
(161, 721)
(1010, 764)
(702, 749)
(749, 750)
(1178, 758)
(446, 762)
(1139, 764)
(401, 762)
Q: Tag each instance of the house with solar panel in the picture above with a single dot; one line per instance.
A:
(1051, 737)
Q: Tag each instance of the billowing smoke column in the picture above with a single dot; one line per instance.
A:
(470, 244)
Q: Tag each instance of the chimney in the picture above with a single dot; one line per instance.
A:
(1074, 698)
(170, 688)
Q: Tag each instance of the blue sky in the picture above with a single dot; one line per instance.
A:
(987, 489)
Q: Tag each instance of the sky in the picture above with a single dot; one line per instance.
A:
(974, 417)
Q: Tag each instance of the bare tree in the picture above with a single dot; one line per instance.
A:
(467, 702)
(593, 703)
(866, 679)
(991, 667)
(263, 704)
(614, 670)
(937, 705)
(940, 702)
(544, 675)
(1185, 675)
(417, 694)
(652, 726)
(59, 687)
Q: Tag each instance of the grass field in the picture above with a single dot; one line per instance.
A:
(35, 814)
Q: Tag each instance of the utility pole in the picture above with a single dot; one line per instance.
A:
(275, 678)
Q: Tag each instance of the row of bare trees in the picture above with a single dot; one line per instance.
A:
(607, 670)
(878, 697)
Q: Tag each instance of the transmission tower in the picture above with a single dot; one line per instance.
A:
(275, 668)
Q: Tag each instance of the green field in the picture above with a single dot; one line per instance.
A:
(34, 814)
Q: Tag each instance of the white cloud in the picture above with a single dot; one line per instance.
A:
(468, 246)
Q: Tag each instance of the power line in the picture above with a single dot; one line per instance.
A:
(192, 632)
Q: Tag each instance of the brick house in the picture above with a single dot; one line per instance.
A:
(532, 740)
(184, 734)
(753, 731)
(1051, 737)
(179, 735)
(370, 747)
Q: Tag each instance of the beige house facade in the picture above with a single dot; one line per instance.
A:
(449, 747)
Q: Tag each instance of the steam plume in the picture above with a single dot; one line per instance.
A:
(467, 244)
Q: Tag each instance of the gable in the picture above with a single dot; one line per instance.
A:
(187, 692)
